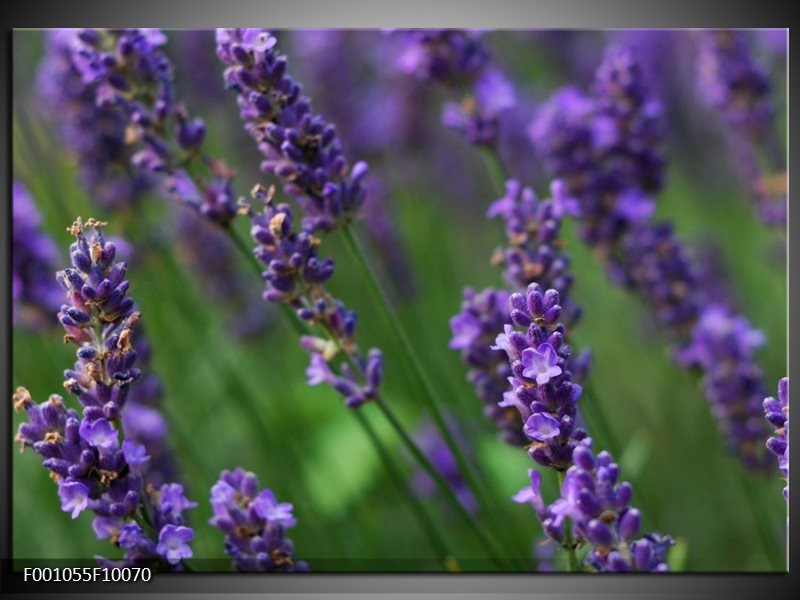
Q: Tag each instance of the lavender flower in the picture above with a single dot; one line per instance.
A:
(532, 255)
(300, 147)
(34, 290)
(777, 413)
(542, 389)
(96, 133)
(605, 149)
(296, 276)
(731, 81)
(126, 73)
(433, 445)
(254, 524)
(458, 59)
(599, 509)
(94, 468)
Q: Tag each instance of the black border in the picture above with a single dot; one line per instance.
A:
(589, 14)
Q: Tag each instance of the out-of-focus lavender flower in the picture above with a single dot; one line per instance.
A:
(777, 413)
(128, 75)
(732, 82)
(433, 445)
(300, 147)
(605, 149)
(210, 254)
(94, 468)
(254, 524)
(196, 61)
(775, 41)
(97, 134)
(36, 295)
(296, 276)
(598, 507)
(459, 59)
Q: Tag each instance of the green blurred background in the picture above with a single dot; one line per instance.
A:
(232, 403)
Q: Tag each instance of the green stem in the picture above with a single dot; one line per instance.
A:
(489, 545)
(769, 546)
(569, 547)
(426, 523)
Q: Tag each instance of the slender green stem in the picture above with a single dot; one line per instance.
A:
(427, 524)
(569, 548)
(489, 545)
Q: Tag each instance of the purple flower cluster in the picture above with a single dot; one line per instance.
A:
(731, 81)
(598, 506)
(254, 524)
(93, 467)
(532, 255)
(296, 276)
(94, 132)
(777, 413)
(604, 147)
(433, 445)
(129, 76)
(300, 147)
(474, 329)
(458, 59)
(542, 387)
(35, 293)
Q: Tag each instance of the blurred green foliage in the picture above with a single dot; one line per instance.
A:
(231, 403)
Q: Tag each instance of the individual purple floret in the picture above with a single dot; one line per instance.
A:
(96, 467)
(598, 507)
(777, 413)
(130, 77)
(296, 276)
(433, 445)
(95, 133)
(300, 147)
(542, 388)
(254, 524)
(731, 81)
(35, 293)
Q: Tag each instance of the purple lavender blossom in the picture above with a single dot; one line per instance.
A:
(777, 413)
(542, 389)
(458, 59)
(36, 294)
(372, 113)
(254, 524)
(296, 276)
(433, 445)
(300, 147)
(95, 133)
(94, 468)
(598, 507)
(605, 149)
(731, 81)
(128, 76)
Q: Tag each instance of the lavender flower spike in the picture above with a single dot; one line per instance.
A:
(128, 75)
(598, 507)
(35, 292)
(254, 524)
(300, 147)
(295, 275)
(95, 468)
(777, 413)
